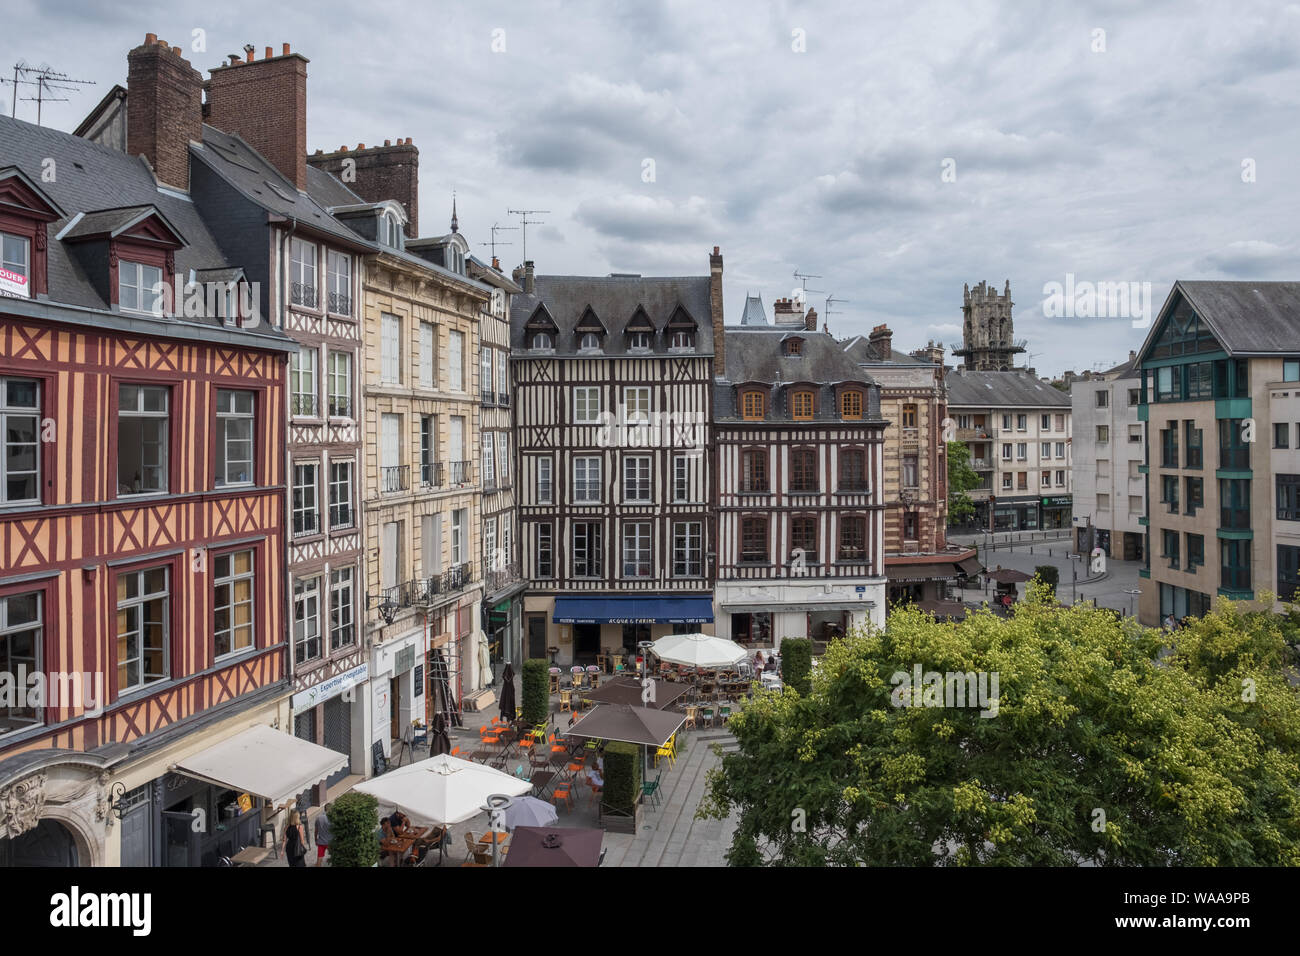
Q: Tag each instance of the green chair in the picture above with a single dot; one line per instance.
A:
(650, 791)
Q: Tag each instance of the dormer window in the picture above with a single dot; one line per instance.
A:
(851, 404)
(543, 340)
(139, 287)
(753, 405)
(638, 341)
(802, 405)
(15, 265)
(590, 342)
(682, 340)
(390, 231)
(25, 212)
(794, 346)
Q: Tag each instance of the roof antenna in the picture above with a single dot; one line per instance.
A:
(525, 222)
(493, 242)
(46, 78)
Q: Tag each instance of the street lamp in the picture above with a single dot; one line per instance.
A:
(496, 806)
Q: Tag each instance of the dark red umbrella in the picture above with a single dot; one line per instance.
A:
(508, 693)
(555, 846)
(440, 742)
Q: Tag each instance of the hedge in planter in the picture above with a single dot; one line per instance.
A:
(622, 777)
(796, 663)
(1049, 574)
(536, 696)
(354, 818)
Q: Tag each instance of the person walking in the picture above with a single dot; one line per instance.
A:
(295, 840)
(323, 834)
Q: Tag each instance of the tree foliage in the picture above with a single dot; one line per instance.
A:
(1106, 747)
(961, 479)
(536, 696)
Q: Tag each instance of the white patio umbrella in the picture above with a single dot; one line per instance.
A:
(443, 789)
(530, 812)
(699, 650)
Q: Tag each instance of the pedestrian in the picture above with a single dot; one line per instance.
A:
(295, 840)
(758, 661)
(323, 834)
(1170, 623)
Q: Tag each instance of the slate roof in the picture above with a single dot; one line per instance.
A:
(615, 299)
(1001, 390)
(328, 190)
(112, 221)
(90, 178)
(1248, 318)
(858, 348)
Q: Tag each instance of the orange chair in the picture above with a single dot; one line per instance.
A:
(563, 792)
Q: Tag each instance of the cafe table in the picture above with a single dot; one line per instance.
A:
(250, 856)
(541, 780)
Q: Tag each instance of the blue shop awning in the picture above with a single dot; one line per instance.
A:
(633, 609)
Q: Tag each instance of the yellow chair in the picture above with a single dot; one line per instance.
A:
(566, 701)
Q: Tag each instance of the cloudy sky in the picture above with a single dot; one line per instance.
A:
(895, 153)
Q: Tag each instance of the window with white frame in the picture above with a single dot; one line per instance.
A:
(456, 361)
(234, 437)
(506, 547)
(390, 349)
(636, 478)
(503, 375)
(338, 282)
(503, 459)
(1006, 482)
(428, 376)
(459, 536)
(681, 478)
(545, 485)
(636, 402)
(143, 627)
(16, 259)
(1060, 449)
(489, 459)
(232, 602)
(306, 511)
(139, 287)
(490, 544)
(302, 272)
(306, 619)
(588, 549)
(544, 562)
(636, 549)
(1060, 479)
(1045, 449)
(485, 377)
(22, 645)
(302, 381)
(586, 404)
(688, 549)
(340, 384)
(586, 480)
(20, 415)
(342, 627)
(340, 495)
(142, 419)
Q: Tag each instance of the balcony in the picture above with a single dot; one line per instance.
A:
(303, 295)
(503, 399)
(461, 472)
(433, 474)
(433, 589)
(303, 405)
(340, 406)
(340, 304)
(487, 396)
(978, 433)
(502, 577)
(981, 464)
(394, 478)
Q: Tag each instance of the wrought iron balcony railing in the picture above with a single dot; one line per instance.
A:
(501, 577)
(461, 472)
(340, 406)
(395, 478)
(303, 404)
(302, 294)
(340, 304)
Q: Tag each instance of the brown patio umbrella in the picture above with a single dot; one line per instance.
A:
(508, 693)
(1007, 576)
(440, 742)
(632, 725)
(627, 690)
(555, 846)
(943, 608)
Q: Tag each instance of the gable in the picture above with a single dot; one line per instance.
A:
(21, 197)
(1180, 331)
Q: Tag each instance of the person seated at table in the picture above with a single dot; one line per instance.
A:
(594, 779)
(770, 665)
(400, 822)
(386, 857)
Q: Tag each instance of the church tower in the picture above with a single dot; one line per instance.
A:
(987, 342)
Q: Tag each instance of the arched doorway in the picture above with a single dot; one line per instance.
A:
(49, 844)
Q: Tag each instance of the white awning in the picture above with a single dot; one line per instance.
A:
(264, 762)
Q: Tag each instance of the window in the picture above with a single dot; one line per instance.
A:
(340, 384)
(1103, 400)
(1169, 446)
(1234, 450)
(1234, 568)
(142, 627)
(1103, 502)
(338, 282)
(586, 480)
(460, 536)
(302, 381)
(1022, 423)
(232, 602)
(1022, 481)
(1060, 449)
(1134, 397)
(390, 234)
(1288, 571)
(1169, 547)
(1290, 369)
(489, 460)
(234, 437)
(542, 341)
(141, 439)
(1195, 551)
(15, 258)
(485, 377)
(682, 340)
(1169, 492)
(638, 341)
(909, 526)
(1288, 497)
(1006, 423)
(1234, 504)
(302, 273)
(688, 549)
(753, 540)
(1281, 434)
(390, 349)
(853, 538)
(490, 543)
(340, 494)
(428, 379)
(1045, 423)
(910, 471)
(801, 405)
(803, 471)
(586, 404)
(342, 627)
(503, 457)
(851, 405)
(909, 416)
(1060, 479)
(1103, 434)
(22, 638)
(1006, 482)
(1022, 451)
(545, 486)
(20, 425)
(636, 549)
(681, 478)
(306, 518)
(545, 562)
(587, 553)
(1195, 495)
(753, 471)
(139, 287)
(753, 405)
(390, 460)
(503, 374)
(1006, 451)
(428, 433)
(306, 619)
(636, 478)
(636, 403)
(1135, 434)
(794, 346)
(507, 550)
(853, 470)
(803, 536)
(590, 342)
(1045, 449)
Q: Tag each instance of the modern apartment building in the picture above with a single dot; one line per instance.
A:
(1019, 432)
(1221, 401)
(1109, 484)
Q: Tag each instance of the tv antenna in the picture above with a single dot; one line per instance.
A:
(493, 243)
(525, 222)
(830, 299)
(804, 277)
(47, 80)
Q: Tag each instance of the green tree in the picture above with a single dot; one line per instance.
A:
(961, 479)
(354, 818)
(536, 696)
(1104, 748)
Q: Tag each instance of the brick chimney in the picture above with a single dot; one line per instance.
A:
(265, 102)
(391, 171)
(881, 341)
(810, 321)
(715, 313)
(165, 112)
(529, 284)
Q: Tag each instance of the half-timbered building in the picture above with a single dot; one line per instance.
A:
(142, 574)
(613, 395)
(799, 469)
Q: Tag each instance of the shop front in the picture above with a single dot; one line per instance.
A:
(589, 626)
(1016, 515)
(397, 682)
(1056, 511)
(332, 713)
(937, 578)
(759, 616)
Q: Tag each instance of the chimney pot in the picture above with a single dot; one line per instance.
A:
(715, 250)
(286, 49)
(408, 141)
(388, 142)
(251, 53)
(176, 50)
(150, 39)
(361, 146)
(269, 52)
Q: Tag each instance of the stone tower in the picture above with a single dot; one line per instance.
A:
(987, 334)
